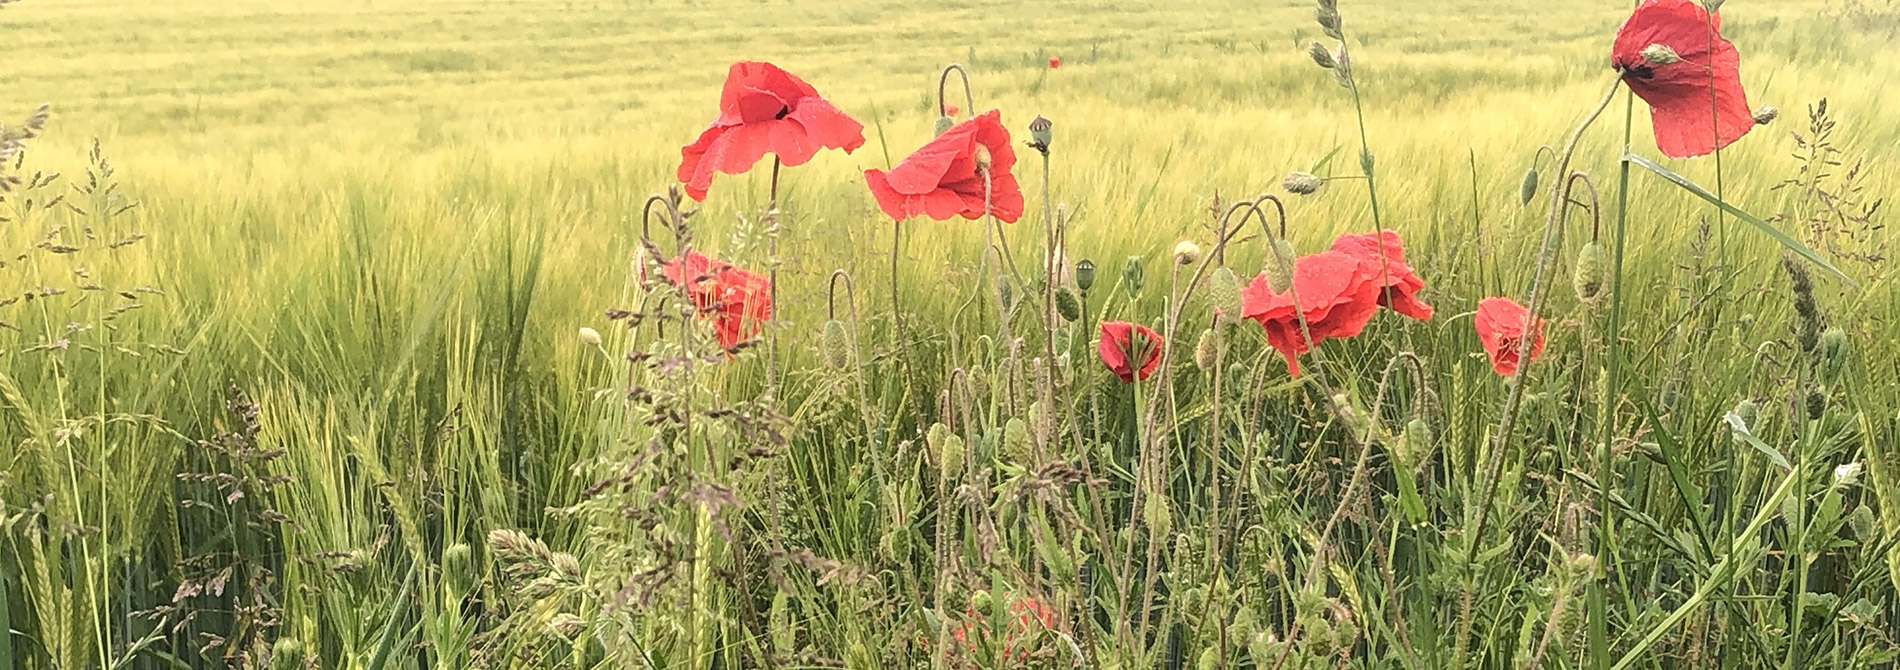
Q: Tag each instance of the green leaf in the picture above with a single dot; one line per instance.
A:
(1792, 244)
(1740, 431)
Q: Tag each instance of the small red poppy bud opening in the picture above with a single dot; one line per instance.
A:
(1672, 55)
(764, 109)
(1500, 324)
(945, 178)
(1123, 344)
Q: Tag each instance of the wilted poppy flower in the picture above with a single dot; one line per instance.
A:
(1500, 324)
(1055, 62)
(1123, 343)
(1336, 297)
(1671, 54)
(1399, 285)
(942, 179)
(764, 109)
(735, 301)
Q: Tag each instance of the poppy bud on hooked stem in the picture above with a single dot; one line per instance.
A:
(1766, 115)
(1186, 252)
(1132, 275)
(1302, 183)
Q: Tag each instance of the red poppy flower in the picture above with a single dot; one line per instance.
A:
(1397, 276)
(736, 301)
(1031, 617)
(764, 109)
(1500, 324)
(1055, 62)
(1336, 295)
(941, 179)
(1673, 56)
(1118, 349)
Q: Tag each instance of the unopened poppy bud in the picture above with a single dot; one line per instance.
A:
(952, 455)
(981, 602)
(1067, 305)
(1279, 266)
(982, 156)
(1588, 280)
(1085, 274)
(590, 337)
(1747, 412)
(1207, 351)
(1349, 415)
(1527, 191)
(1321, 55)
(1713, 6)
(1766, 115)
(1015, 447)
(1834, 352)
(1132, 275)
(1415, 443)
(1210, 659)
(835, 345)
(287, 654)
(1186, 252)
(934, 439)
(1223, 292)
(944, 123)
(1302, 183)
(1661, 54)
(1583, 566)
(1041, 133)
(458, 570)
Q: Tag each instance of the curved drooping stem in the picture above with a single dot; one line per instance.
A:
(943, 81)
(1507, 421)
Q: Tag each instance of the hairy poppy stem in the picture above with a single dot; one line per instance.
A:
(771, 230)
(1507, 422)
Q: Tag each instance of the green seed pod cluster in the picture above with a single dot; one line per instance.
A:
(1588, 280)
(835, 345)
(1132, 272)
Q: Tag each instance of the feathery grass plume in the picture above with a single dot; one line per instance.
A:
(1302, 183)
(1807, 313)
(1321, 55)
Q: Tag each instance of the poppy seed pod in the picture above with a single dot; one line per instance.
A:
(1527, 190)
(1132, 275)
(1302, 183)
(1321, 55)
(1223, 292)
(944, 123)
(1207, 350)
(1588, 280)
(1186, 252)
(1766, 115)
(982, 156)
(835, 345)
(1661, 54)
(1085, 274)
(1041, 133)
(1067, 305)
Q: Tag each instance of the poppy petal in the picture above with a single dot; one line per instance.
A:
(828, 126)
(925, 168)
(889, 200)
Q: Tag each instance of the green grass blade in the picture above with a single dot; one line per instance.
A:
(1786, 241)
(387, 640)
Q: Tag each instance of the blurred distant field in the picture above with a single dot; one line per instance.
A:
(385, 221)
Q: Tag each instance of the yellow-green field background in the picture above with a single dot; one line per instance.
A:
(257, 132)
